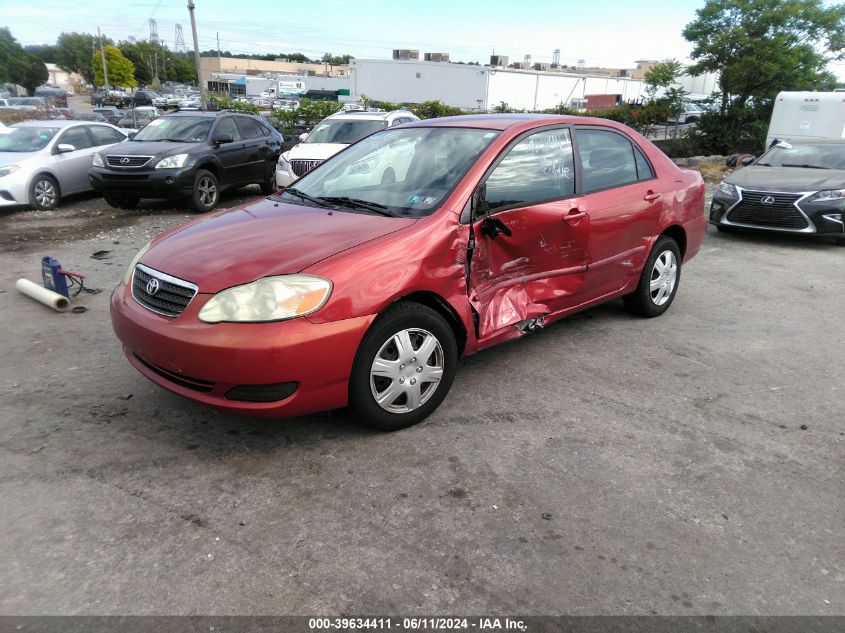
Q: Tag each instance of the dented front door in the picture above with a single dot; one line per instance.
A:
(540, 268)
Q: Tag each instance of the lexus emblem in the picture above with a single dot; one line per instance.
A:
(124, 161)
(768, 200)
(152, 286)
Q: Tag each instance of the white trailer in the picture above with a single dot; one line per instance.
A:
(806, 116)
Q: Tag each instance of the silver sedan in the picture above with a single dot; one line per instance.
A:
(43, 161)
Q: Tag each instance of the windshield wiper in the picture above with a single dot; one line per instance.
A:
(806, 166)
(357, 203)
(299, 194)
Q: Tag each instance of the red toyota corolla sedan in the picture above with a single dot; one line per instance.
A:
(364, 282)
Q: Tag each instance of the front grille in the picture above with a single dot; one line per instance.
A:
(170, 298)
(302, 167)
(779, 210)
(196, 384)
(127, 161)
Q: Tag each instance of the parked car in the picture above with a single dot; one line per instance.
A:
(189, 154)
(144, 98)
(27, 103)
(796, 187)
(135, 120)
(112, 114)
(41, 162)
(690, 114)
(56, 97)
(339, 292)
(190, 103)
(331, 135)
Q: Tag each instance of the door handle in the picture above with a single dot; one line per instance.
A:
(575, 215)
(651, 196)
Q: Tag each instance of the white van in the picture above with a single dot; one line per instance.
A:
(807, 116)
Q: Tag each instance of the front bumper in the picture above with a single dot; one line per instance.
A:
(205, 362)
(14, 189)
(147, 183)
(802, 217)
(284, 176)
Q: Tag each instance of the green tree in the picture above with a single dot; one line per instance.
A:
(121, 71)
(759, 48)
(74, 53)
(45, 52)
(662, 76)
(33, 73)
(11, 55)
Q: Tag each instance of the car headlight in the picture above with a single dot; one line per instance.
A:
(283, 162)
(363, 166)
(268, 299)
(128, 276)
(827, 195)
(728, 189)
(8, 169)
(172, 162)
(98, 160)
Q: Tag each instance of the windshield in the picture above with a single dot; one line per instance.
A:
(343, 131)
(811, 156)
(26, 139)
(182, 129)
(402, 172)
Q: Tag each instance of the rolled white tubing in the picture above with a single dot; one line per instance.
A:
(58, 302)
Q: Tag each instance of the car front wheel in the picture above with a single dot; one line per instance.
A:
(659, 280)
(404, 367)
(44, 192)
(206, 191)
(268, 185)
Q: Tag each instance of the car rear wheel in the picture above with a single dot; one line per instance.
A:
(268, 185)
(659, 280)
(206, 191)
(404, 367)
(44, 192)
(122, 202)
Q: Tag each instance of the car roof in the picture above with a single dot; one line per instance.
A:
(367, 115)
(815, 141)
(505, 121)
(53, 123)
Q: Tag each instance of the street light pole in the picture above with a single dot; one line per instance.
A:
(103, 57)
(197, 55)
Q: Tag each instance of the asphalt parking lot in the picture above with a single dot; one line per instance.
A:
(690, 464)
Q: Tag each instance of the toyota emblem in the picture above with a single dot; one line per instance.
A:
(152, 286)
(124, 161)
(768, 200)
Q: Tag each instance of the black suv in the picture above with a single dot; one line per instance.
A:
(144, 98)
(189, 154)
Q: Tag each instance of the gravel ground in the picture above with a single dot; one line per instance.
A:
(690, 464)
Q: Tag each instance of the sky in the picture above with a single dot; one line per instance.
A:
(607, 33)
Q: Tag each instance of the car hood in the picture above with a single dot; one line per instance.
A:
(314, 151)
(150, 148)
(241, 245)
(787, 178)
(15, 158)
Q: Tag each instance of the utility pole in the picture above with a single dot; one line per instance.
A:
(203, 95)
(103, 57)
(219, 57)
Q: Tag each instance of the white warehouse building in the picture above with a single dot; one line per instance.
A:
(480, 88)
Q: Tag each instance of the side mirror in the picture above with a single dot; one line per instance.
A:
(220, 139)
(131, 134)
(303, 136)
(64, 148)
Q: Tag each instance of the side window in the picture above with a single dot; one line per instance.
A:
(644, 170)
(227, 126)
(539, 167)
(248, 128)
(607, 159)
(105, 135)
(76, 136)
(264, 129)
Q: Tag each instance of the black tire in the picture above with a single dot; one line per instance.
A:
(44, 192)
(650, 303)
(206, 191)
(122, 202)
(419, 321)
(268, 185)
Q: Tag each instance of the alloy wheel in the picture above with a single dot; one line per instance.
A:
(45, 193)
(406, 370)
(207, 191)
(664, 276)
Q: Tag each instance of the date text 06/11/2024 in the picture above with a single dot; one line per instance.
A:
(417, 624)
